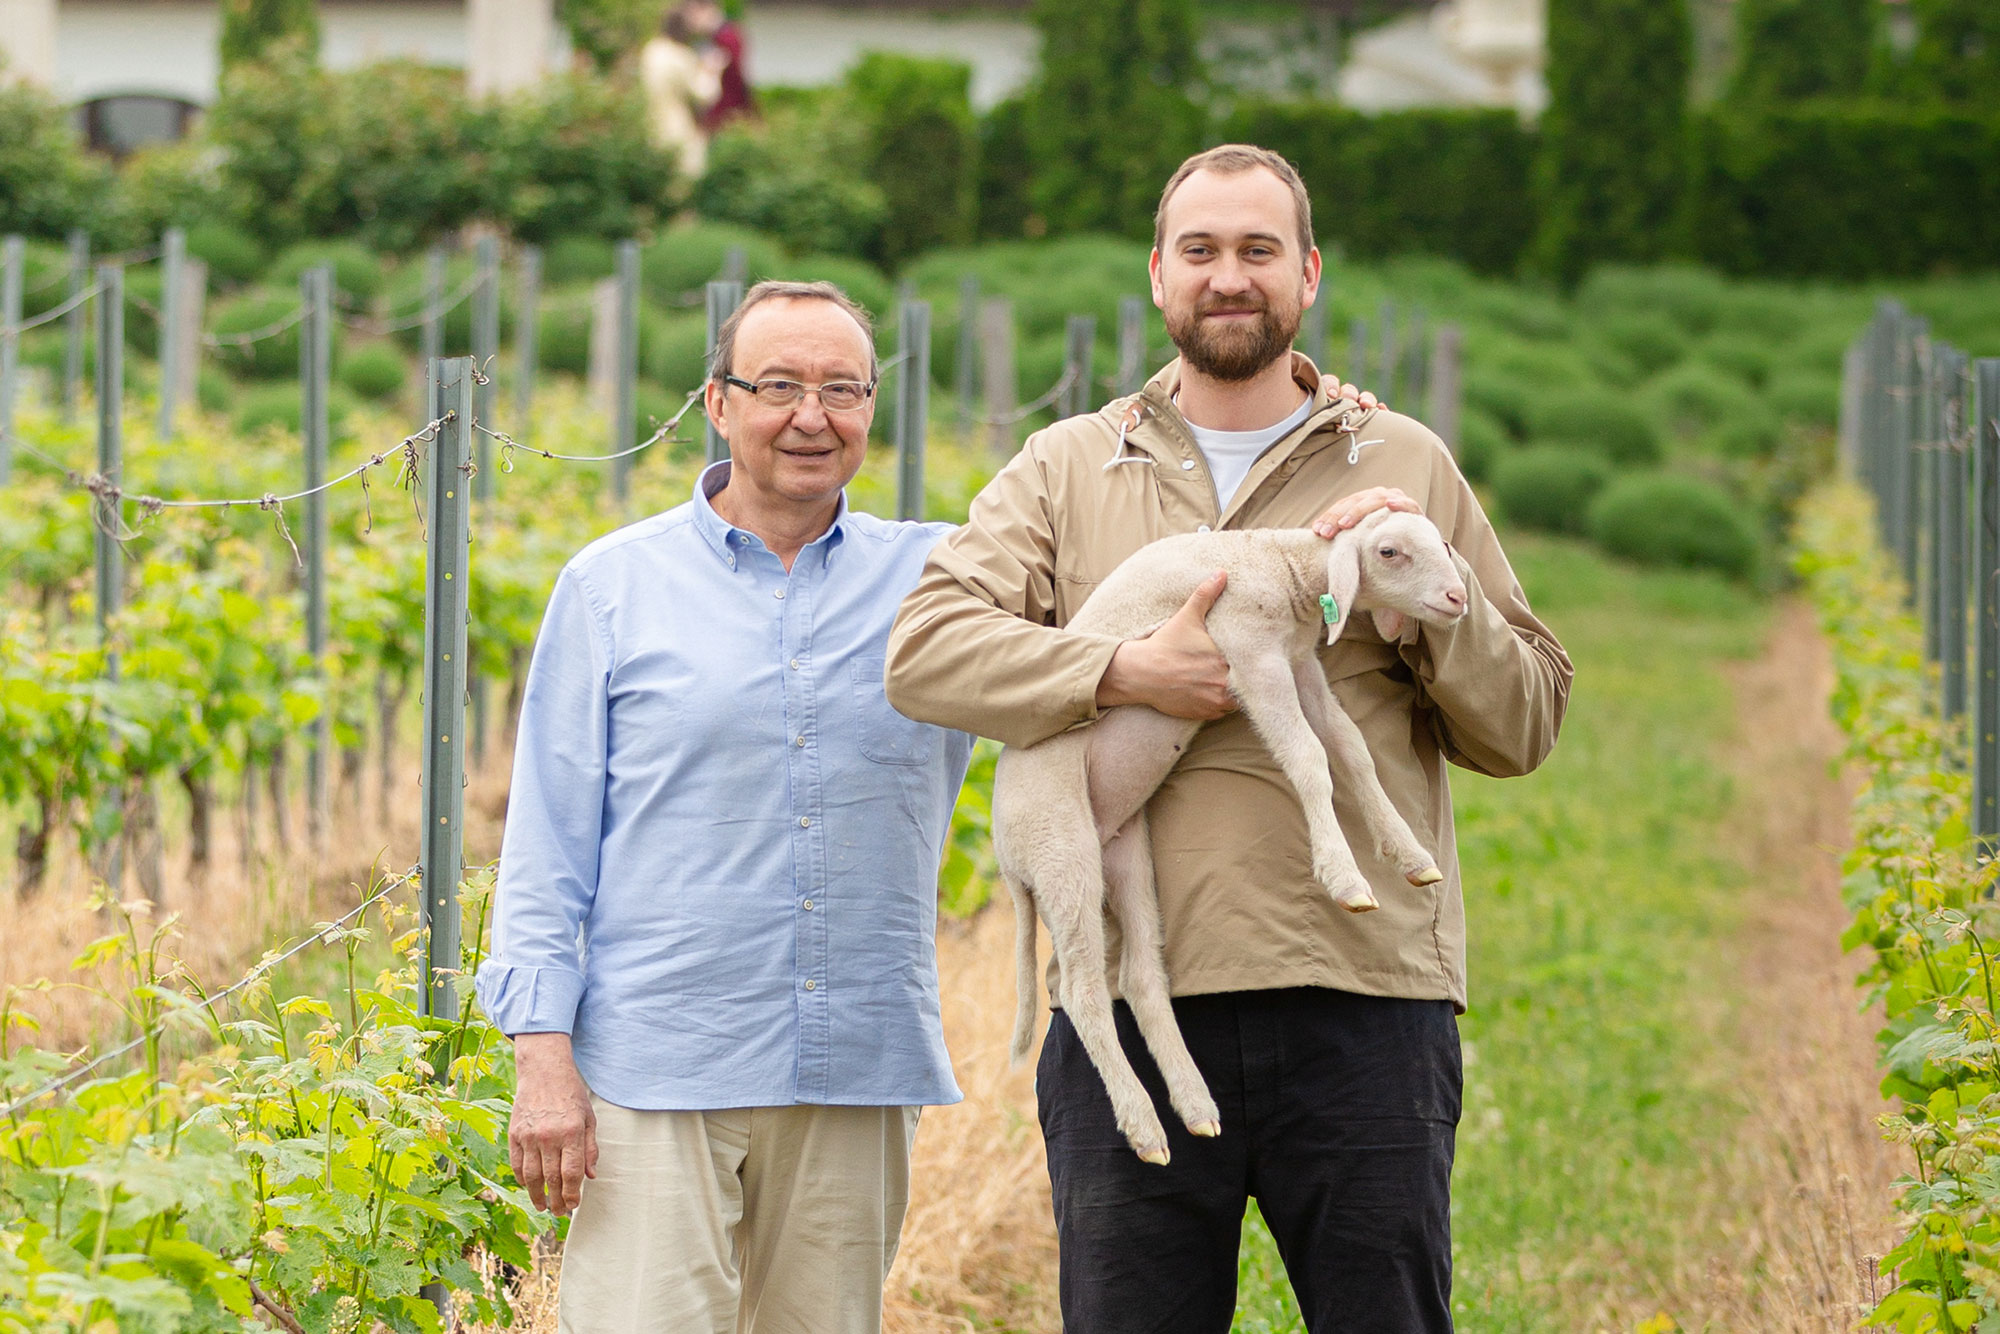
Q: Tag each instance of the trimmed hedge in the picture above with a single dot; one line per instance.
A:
(1599, 422)
(1668, 519)
(1550, 489)
(923, 150)
(1439, 182)
(1845, 190)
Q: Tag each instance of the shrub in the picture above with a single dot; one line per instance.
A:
(375, 371)
(1649, 341)
(1440, 182)
(1808, 396)
(562, 331)
(1792, 49)
(143, 284)
(1667, 519)
(214, 391)
(569, 259)
(415, 158)
(233, 255)
(793, 176)
(1500, 397)
(405, 297)
(923, 150)
(1751, 433)
(1110, 115)
(682, 260)
(1693, 298)
(1742, 355)
(1605, 424)
(253, 311)
(1548, 489)
(673, 351)
(276, 407)
(1481, 444)
(357, 271)
(1693, 400)
(572, 155)
(48, 184)
(173, 185)
(1611, 169)
(273, 124)
(252, 28)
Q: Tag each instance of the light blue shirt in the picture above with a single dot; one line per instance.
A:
(719, 870)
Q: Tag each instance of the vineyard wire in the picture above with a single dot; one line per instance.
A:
(317, 937)
(57, 312)
(1027, 410)
(422, 315)
(271, 330)
(508, 444)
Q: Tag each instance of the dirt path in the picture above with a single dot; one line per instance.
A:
(1803, 1194)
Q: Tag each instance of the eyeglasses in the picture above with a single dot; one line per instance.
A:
(834, 395)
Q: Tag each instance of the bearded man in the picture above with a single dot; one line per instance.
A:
(1329, 1040)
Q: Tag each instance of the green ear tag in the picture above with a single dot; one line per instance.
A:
(1329, 610)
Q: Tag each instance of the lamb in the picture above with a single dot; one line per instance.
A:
(1069, 823)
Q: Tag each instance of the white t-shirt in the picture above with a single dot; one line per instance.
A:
(1230, 454)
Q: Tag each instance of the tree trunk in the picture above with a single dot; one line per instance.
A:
(31, 852)
(281, 810)
(144, 850)
(201, 813)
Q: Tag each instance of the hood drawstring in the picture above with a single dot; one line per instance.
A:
(1118, 456)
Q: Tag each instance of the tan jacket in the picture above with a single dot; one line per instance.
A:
(973, 648)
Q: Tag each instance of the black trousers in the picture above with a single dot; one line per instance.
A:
(1338, 1114)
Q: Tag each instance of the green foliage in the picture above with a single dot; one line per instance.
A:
(673, 351)
(569, 259)
(323, 1156)
(858, 278)
(792, 176)
(683, 259)
(253, 29)
(1809, 396)
(572, 156)
(1669, 519)
(233, 255)
(562, 341)
(1691, 401)
(375, 371)
(1921, 891)
(48, 184)
(1548, 488)
(1602, 423)
(1005, 171)
(1792, 49)
(1438, 182)
(1508, 402)
(277, 407)
(1647, 341)
(1956, 59)
(1481, 444)
(1798, 191)
(608, 31)
(1611, 169)
(259, 310)
(414, 158)
(171, 185)
(923, 150)
(357, 270)
(1112, 112)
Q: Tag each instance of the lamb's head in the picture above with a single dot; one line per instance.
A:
(1396, 566)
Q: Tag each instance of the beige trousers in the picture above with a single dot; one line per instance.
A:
(759, 1220)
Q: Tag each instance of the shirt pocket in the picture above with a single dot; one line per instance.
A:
(886, 736)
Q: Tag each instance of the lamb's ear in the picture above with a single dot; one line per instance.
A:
(1390, 624)
(1343, 581)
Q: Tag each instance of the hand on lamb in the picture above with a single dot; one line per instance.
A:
(1350, 510)
(1177, 669)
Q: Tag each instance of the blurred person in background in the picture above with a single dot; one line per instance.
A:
(682, 85)
(726, 36)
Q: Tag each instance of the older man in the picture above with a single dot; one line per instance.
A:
(1329, 1040)
(714, 944)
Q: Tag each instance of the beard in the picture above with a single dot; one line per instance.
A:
(1233, 352)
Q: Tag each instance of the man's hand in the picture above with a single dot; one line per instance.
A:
(1177, 669)
(1350, 510)
(1336, 390)
(552, 1135)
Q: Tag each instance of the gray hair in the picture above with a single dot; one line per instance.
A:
(772, 289)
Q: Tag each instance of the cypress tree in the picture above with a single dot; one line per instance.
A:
(1789, 49)
(1112, 112)
(251, 28)
(1613, 156)
(1957, 55)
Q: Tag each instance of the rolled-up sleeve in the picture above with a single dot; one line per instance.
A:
(973, 648)
(533, 981)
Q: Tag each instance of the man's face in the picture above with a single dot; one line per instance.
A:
(1230, 276)
(795, 458)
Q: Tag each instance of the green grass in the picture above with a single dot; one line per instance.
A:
(1600, 913)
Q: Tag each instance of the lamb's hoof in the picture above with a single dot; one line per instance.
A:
(1205, 1129)
(1430, 875)
(1157, 1156)
(1362, 902)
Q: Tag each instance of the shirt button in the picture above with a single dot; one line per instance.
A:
(1187, 465)
(778, 594)
(810, 984)
(795, 664)
(802, 739)
(808, 905)
(805, 822)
